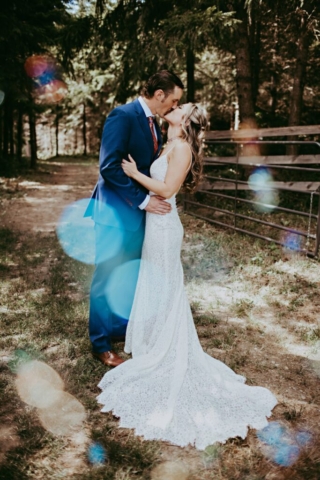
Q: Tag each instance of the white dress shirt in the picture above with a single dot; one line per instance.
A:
(148, 113)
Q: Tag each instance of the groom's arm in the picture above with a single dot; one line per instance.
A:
(114, 147)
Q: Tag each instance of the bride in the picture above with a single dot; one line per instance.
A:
(171, 389)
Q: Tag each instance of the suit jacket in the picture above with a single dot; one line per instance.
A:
(125, 131)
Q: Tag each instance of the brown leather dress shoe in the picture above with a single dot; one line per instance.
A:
(111, 359)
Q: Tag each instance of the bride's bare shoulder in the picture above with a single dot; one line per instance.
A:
(180, 150)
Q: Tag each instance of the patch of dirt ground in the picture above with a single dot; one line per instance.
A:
(36, 205)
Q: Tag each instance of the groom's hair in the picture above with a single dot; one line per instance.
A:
(163, 80)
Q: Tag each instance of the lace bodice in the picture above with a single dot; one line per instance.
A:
(158, 171)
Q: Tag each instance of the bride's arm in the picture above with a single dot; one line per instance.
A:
(180, 158)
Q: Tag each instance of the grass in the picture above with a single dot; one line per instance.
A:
(246, 298)
(47, 321)
(243, 307)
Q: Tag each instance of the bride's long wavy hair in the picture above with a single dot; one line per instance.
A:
(194, 124)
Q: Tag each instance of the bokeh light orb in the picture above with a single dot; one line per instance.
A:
(272, 433)
(261, 184)
(2, 95)
(49, 74)
(170, 470)
(282, 445)
(19, 358)
(38, 384)
(315, 365)
(76, 232)
(52, 92)
(97, 455)
(48, 85)
(259, 179)
(36, 65)
(303, 438)
(65, 416)
(286, 455)
(210, 455)
(292, 241)
(121, 287)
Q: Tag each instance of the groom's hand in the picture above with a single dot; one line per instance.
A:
(158, 205)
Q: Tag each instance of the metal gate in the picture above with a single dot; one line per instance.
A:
(222, 195)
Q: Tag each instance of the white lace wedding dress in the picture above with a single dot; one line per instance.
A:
(171, 389)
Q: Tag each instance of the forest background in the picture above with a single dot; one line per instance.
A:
(260, 55)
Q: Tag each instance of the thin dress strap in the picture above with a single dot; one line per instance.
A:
(170, 150)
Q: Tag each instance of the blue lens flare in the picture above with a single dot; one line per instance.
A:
(272, 434)
(282, 445)
(303, 438)
(45, 78)
(19, 358)
(260, 179)
(97, 454)
(121, 287)
(286, 455)
(261, 184)
(292, 241)
(76, 232)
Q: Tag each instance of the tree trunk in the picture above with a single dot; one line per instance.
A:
(11, 131)
(84, 130)
(51, 141)
(245, 89)
(19, 133)
(274, 80)
(298, 81)
(5, 150)
(190, 75)
(57, 134)
(296, 100)
(1, 130)
(243, 67)
(255, 44)
(33, 139)
(75, 143)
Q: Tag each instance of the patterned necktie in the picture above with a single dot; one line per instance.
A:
(154, 138)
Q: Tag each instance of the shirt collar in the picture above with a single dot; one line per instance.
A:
(145, 107)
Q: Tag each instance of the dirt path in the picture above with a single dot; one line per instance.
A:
(37, 205)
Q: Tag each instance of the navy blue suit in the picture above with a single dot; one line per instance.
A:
(126, 130)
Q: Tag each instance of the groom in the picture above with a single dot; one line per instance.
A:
(118, 203)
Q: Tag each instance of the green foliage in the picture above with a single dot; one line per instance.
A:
(108, 48)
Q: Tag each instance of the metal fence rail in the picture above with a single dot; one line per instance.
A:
(214, 185)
